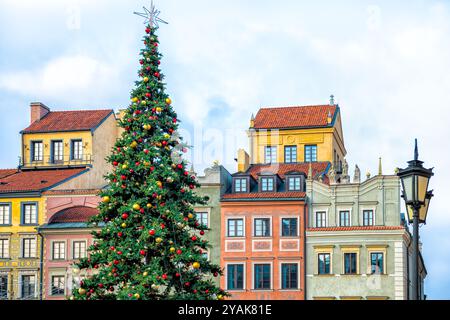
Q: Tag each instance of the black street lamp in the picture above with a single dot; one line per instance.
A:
(415, 179)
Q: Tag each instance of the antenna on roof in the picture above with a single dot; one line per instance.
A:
(332, 100)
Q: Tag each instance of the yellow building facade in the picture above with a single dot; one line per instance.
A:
(274, 139)
(61, 150)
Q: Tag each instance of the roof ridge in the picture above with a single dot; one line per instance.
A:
(298, 106)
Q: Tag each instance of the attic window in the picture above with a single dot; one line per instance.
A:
(3, 183)
(44, 181)
(267, 184)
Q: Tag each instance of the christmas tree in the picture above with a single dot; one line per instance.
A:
(150, 245)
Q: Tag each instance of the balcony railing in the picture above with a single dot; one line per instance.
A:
(57, 161)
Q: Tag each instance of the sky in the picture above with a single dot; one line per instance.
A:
(386, 62)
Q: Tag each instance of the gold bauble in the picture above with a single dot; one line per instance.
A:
(158, 109)
(136, 206)
(137, 296)
(149, 205)
(172, 249)
(133, 144)
(158, 240)
(168, 101)
(124, 166)
(106, 199)
(124, 225)
(196, 265)
(145, 79)
(190, 215)
(81, 291)
(145, 274)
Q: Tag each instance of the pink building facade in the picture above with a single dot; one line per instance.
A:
(67, 238)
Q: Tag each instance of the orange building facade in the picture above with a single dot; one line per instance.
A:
(260, 264)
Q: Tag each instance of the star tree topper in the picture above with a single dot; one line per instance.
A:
(151, 16)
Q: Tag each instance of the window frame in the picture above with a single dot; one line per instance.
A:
(4, 275)
(351, 261)
(207, 217)
(325, 218)
(73, 248)
(296, 229)
(348, 218)
(21, 287)
(373, 217)
(64, 246)
(247, 184)
(228, 227)
(291, 155)
(329, 263)
(53, 153)
(382, 248)
(51, 293)
(293, 177)
(243, 275)
(22, 247)
(311, 147)
(269, 219)
(72, 149)
(9, 205)
(297, 278)
(7, 250)
(261, 184)
(254, 265)
(22, 213)
(273, 154)
(33, 149)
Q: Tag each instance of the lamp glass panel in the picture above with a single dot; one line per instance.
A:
(422, 186)
(424, 210)
(408, 187)
(410, 213)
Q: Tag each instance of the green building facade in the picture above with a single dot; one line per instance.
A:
(357, 241)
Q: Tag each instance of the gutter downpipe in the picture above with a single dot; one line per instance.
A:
(41, 264)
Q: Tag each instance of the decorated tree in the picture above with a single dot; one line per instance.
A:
(150, 244)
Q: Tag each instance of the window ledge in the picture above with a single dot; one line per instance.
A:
(351, 274)
(262, 290)
(325, 275)
(29, 225)
(5, 225)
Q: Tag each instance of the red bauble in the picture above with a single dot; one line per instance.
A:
(194, 238)
(202, 232)
(137, 164)
(119, 253)
(152, 168)
(123, 177)
(131, 171)
(157, 74)
(142, 210)
(146, 151)
(100, 285)
(96, 266)
(185, 218)
(119, 234)
(170, 130)
(206, 291)
(147, 30)
(191, 186)
(115, 163)
(148, 68)
(177, 275)
(180, 166)
(118, 149)
(116, 262)
(186, 173)
(112, 248)
(151, 232)
(215, 274)
(141, 61)
(163, 226)
(155, 44)
(148, 95)
(164, 276)
(174, 120)
(142, 252)
(159, 62)
(164, 143)
(194, 291)
(187, 284)
(179, 251)
(182, 190)
(124, 216)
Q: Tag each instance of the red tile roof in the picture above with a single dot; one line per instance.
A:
(356, 228)
(265, 195)
(69, 121)
(35, 180)
(7, 172)
(74, 214)
(93, 192)
(294, 117)
(282, 168)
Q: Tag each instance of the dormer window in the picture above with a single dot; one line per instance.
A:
(311, 153)
(295, 182)
(267, 184)
(37, 151)
(241, 185)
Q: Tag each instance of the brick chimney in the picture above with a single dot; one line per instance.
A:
(38, 111)
(243, 160)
